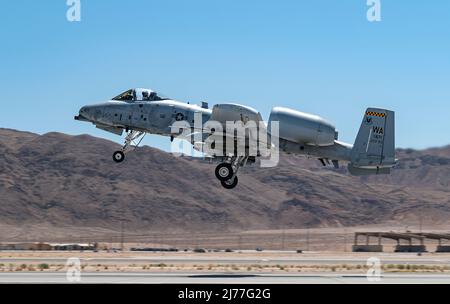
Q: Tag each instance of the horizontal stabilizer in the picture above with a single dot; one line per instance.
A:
(362, 172)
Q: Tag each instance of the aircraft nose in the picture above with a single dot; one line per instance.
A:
(93, 113)
(84, 110)
(85, 113)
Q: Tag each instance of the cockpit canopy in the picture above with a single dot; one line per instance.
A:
(134, 95)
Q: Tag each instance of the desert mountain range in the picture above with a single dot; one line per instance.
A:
(64, 181)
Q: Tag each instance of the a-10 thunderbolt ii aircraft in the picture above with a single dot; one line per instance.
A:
(140, 111)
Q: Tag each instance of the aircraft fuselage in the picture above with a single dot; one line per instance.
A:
(154, 117)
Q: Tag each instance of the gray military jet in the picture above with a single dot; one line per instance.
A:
(140, 111)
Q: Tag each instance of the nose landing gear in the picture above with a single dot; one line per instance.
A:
(119, 156)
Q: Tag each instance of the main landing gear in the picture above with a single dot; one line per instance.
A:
(230, 183)
(226, 172)
(132, 136)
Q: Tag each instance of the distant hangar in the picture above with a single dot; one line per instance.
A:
(415, 241)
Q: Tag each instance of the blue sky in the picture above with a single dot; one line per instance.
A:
(318, 56)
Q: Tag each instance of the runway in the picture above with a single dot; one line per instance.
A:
(220, 278)
(244, 258)
(237, 260)
(225, 268)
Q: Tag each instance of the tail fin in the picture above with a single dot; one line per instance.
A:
(374, 148)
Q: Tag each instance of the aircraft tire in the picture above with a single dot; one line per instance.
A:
(118, 156)
(230, 184)
(224, 171)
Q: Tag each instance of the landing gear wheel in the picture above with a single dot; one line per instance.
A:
(224, 171)
(230, 184)
(118, 156)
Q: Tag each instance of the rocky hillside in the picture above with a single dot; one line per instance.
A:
(61, 181)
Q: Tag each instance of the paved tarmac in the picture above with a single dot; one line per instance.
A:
(404, 260)
(215, 276)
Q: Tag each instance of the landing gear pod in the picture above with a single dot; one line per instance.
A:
(234, 112)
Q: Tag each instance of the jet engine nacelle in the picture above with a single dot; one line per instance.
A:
(303, 128)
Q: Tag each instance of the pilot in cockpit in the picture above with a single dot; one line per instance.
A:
(139, 95)
(149, 95)
(153, 96)
(145, 95)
